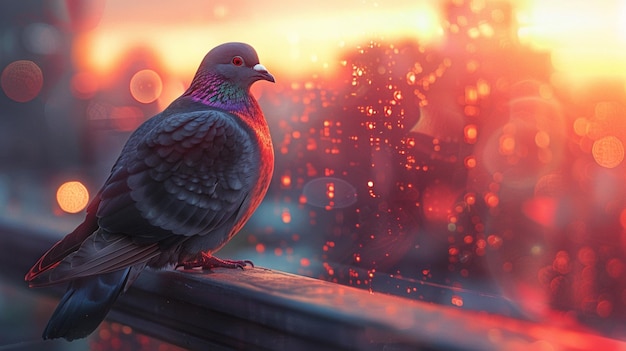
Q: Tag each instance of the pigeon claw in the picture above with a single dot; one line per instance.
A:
(208, 262)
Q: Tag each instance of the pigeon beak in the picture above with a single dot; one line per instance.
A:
(262, 73)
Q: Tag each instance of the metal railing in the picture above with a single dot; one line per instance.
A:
(259, 308)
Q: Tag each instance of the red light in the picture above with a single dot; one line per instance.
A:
(470, 162)
(492, 200)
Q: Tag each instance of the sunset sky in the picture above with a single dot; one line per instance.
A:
(587, 39)
(299, 38)
(295, 37)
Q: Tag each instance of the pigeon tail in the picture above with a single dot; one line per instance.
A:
(84, 305)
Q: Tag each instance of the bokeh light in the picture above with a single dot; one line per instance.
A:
(471, 133)
(22, 80)
(72, 196)
(608, 151)
(146, 86)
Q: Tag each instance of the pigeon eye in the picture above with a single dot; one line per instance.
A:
(237, 61)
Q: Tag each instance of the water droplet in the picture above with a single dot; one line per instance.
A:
(411, 78)
(471, 133)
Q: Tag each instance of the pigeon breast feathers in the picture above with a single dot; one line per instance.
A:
(188, 175)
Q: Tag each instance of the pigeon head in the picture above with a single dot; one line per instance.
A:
(226, 74)
(238, 63)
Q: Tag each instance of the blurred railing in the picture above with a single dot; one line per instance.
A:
(264, 309)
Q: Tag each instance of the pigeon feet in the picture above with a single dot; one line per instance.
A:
(208, 262)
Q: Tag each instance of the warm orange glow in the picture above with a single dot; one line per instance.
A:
(72, 197)
(286, 216)
(492, 199)
(471, 133)
(311, 43)
(285, 181)
(457, 301)
(171, 90)
(470, 162)
(471, 95)
(330, 190)
(586, 38)
(483, 88)
(507, 145)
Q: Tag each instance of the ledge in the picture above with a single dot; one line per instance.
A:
(259, 308)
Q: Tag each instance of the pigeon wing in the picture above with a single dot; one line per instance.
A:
(190, 174)
(67, 245)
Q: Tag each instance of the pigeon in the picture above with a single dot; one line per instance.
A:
(185, 183)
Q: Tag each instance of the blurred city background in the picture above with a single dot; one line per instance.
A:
(461, 152)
